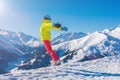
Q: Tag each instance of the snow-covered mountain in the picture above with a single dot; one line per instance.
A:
(43, 59)
(71, 47)
(67, 37)
(15, 45)
(92, 46)
(19, 38)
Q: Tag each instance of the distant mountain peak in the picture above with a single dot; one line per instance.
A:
(115, 32)
(67, 37)
(19, 38)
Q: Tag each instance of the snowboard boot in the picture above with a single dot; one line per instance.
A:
(58, 62)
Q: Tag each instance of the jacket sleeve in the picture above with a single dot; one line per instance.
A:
(57, 28)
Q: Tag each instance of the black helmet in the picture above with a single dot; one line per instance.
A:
(47, 17)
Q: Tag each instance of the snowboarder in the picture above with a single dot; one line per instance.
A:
(45, 29)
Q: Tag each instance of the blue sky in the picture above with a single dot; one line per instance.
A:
(78, 15)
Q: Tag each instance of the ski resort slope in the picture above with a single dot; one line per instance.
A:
(107, 68)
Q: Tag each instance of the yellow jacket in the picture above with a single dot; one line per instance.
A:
(45, 29)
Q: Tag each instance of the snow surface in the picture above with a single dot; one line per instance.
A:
(107, 68)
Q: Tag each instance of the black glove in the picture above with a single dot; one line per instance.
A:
(57, 25)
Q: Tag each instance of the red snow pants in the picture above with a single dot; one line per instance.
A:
(48, 47)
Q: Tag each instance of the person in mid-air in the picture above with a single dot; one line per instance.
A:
(45, 29)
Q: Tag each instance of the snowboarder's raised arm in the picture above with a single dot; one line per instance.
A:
(58, 26)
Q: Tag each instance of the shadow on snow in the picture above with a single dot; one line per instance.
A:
(91, 73)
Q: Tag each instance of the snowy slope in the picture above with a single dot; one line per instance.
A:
(6, 45)
(100, 69)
